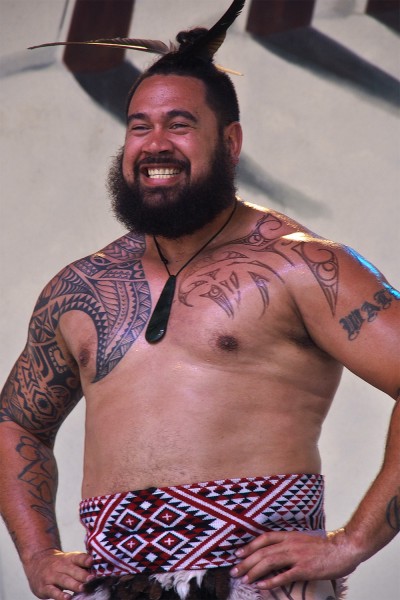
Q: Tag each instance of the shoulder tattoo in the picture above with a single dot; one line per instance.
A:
(110, 287)
(205, 278)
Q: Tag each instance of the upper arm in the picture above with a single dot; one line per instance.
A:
(350, 311)
(43, 386)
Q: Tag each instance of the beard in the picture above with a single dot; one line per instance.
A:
(173, 212)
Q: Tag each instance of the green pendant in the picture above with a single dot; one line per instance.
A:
(159, 319)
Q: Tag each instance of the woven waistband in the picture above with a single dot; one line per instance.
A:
(196, 526)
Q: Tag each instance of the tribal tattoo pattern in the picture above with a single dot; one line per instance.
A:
(393, 513)
(111, 289)
(205, 278)
(43, 386)
(41, 476)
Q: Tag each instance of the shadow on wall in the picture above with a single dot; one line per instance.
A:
(316, 52)
(110, 88)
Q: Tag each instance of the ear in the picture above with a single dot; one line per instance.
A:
(233, 137)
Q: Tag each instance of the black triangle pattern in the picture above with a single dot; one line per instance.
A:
(197, 526)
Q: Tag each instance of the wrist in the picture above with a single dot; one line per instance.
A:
(349, 544)
(35, 555)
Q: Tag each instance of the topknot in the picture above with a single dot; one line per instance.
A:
(188, 37)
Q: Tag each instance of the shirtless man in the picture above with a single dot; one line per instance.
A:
(228, 386)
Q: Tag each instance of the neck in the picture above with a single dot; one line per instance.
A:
(158, 323)
(178, 250)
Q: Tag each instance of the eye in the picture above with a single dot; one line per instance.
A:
(139, 128)
(179, 126)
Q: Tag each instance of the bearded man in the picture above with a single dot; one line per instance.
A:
(207, 377)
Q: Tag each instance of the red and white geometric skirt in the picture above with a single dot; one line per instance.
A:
(196, 526)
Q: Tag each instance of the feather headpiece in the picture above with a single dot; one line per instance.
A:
(202, 46)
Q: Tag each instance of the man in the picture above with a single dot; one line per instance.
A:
(206, 375)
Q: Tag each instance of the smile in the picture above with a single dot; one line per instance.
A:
(162, 173)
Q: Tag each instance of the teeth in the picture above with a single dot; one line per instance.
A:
(162, 173)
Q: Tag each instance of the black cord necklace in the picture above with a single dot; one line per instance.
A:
(159, 319)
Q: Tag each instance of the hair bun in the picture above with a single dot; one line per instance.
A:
(187, 38)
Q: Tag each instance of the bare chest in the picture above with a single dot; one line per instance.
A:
(230, 303)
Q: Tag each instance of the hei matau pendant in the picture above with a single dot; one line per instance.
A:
(159, 319)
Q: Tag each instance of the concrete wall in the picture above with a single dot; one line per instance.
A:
(319, 147)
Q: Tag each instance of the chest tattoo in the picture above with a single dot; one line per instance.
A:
(220, 275)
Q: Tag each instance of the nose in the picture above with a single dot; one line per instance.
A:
(157, 141)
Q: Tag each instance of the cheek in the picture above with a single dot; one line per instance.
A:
(202, 162)
(127, 165)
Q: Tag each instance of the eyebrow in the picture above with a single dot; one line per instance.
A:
(142, 116)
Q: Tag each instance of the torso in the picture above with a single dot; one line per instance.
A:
(236, 388)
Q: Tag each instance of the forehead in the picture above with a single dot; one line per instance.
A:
(166, 92)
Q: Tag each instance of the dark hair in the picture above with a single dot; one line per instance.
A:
(220, 92)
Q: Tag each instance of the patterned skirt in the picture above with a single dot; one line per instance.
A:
(179, 542)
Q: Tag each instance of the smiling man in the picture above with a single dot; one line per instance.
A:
(208, 342)
(189, 178)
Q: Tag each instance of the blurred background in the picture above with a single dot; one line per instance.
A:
(320, 101)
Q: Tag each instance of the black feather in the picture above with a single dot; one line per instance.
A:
(207, 45)
(203, 46)
(155, 46)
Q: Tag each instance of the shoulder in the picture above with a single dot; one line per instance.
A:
(335, 273)
(271, 229)
(128, 247)
(333, 284)
(111, 261)
(270, 224)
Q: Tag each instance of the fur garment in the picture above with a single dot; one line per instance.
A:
(211, 584)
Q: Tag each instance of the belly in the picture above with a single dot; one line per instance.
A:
(180, 439)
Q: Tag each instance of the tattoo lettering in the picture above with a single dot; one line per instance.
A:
(41, 476)
(371, 311)
(393, 513)
(352, 324)
(367, 313)
(383, 299)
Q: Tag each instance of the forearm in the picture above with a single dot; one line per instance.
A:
(28, 484)
(377, 519)
(301, 557)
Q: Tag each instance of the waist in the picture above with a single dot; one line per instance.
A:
(196, 526)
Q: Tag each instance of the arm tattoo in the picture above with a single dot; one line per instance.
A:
(393, 513)
(11, 531)
(37, 397)
(367, 312)
(109, 287)
(40, 474)
(323, 264)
